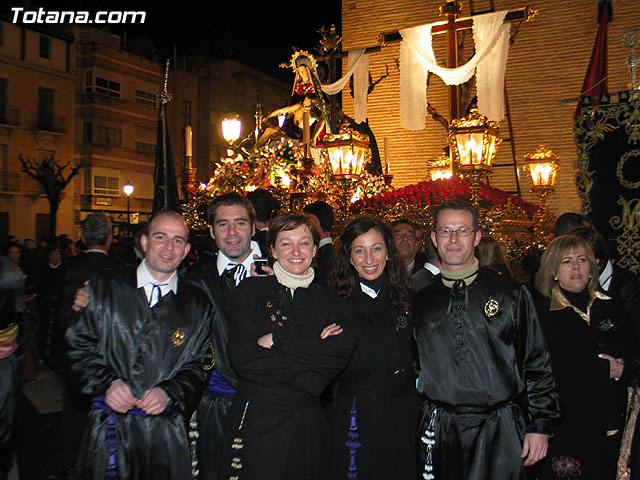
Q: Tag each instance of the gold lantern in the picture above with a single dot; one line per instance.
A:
(347, 152)
(543, 167)
(473, 142)
(440, 169)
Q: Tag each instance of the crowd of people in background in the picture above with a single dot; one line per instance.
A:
(278, 347)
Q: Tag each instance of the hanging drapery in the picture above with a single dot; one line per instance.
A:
(359, 68)
(608, 180)
(491, 36)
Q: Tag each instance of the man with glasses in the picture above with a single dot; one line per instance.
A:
(485, 369)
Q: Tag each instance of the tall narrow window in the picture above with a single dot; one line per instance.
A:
(45, 47)
(3, 100)
(45, 108)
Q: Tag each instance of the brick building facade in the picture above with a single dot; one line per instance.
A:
(547, 63)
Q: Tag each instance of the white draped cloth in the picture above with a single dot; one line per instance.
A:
(491, 37)
(358, 62)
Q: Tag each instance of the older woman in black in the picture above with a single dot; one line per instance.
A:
(592, 350)
(374, 415)
(286, 344)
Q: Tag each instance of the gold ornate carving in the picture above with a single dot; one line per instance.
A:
(591, 127)
(629, 241)
(620, 170)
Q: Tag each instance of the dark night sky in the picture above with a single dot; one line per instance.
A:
(260, 34)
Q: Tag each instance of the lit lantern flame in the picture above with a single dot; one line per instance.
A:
(543, 167)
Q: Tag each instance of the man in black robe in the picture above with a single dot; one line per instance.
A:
(326, 256)
(97, 236)
(232, 224)
(484, 365)
(138, 349)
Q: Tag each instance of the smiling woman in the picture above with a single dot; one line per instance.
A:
(286, 345)
(593, 351)
(373, 417)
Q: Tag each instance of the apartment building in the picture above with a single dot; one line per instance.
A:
(36, 121)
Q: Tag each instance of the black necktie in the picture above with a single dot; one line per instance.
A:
(237, 270)
(156, 287)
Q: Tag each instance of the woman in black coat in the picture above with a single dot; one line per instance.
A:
(374, 415)
(286, 344)
(592, 348)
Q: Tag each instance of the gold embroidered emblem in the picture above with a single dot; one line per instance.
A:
(491, 308)
(208, 357)
(269, 304)
(177, 338)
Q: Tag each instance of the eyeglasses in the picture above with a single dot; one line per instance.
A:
(460, 232)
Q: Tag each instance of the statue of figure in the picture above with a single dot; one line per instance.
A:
(306, 96)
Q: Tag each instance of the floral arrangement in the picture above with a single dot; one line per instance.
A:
(372, 185)
(268, 166)
(430, 193)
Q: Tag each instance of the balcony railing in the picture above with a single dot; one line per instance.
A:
(9, 182)
(10, 116)
(49, 123)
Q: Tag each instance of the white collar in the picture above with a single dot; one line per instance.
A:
(605, 276)
(324, 241)
(432, 268)
(96, 250)
(368, 290)
(146, 280)
(222, 261)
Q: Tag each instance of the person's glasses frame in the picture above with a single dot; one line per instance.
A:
(460, 232)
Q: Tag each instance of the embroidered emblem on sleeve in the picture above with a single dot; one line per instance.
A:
(208, 357)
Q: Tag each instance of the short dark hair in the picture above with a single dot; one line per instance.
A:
(264, 203)
(228, 200)
(403, 221)
(597, 242)
(457, 205)
(96, 229)
(291, 221)
(323, 211)
(567, 222)
(169, 213)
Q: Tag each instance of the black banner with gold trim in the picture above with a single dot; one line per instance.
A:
(608, 139)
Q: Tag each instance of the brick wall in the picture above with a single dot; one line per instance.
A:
(547, 63)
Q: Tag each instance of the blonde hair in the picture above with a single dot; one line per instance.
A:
(551, 258)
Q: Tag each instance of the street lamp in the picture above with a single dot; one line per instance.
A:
(231, 128)
(127, 189)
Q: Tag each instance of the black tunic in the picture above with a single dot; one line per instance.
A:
(119, 336)
(592, 402)
(376, 396)
(213, 410)
(276, 415)
(485, 367)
